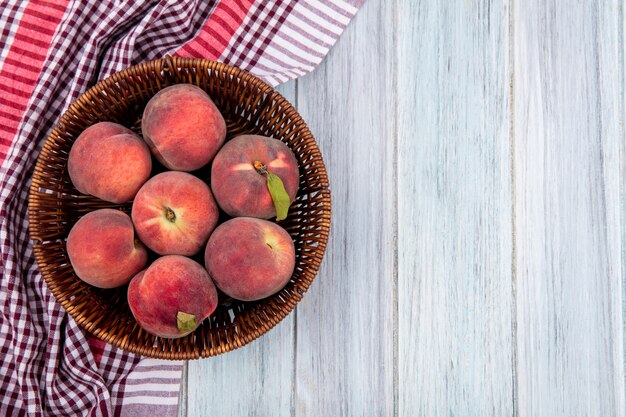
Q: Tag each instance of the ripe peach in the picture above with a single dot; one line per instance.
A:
(103, 250)
(172, 296)
(250, 258)
(241, 190)
(110, 162)
(174, 213)
(183, 127)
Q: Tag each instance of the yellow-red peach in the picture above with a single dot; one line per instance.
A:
(103, 250)
(183, 127)
(110, 162)
(174, 213)
(169, 286)
(239, 188)
(250, 258)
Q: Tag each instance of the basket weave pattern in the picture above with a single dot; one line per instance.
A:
(248, 105)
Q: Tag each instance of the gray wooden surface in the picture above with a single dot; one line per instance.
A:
(476, 153)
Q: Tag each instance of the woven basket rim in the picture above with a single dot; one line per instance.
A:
(159, 66)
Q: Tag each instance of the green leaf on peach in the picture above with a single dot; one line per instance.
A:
(186, 322)
(279, 195)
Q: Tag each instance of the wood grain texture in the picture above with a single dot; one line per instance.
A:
(454, 203)
(255, 380)
(568, 140)
(345, 339)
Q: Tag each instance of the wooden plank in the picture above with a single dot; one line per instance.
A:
(454, 203)
(568, 139)
(345, 329)
(256, 380)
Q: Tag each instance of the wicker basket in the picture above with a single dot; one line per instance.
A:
(249, 105)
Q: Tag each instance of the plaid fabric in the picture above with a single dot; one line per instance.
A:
(50, 52)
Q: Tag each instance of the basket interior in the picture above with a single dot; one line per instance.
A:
(249, 106)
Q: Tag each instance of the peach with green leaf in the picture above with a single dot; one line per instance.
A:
(255, 176)
(172, 297)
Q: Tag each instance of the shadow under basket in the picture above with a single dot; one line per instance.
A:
(248, 105)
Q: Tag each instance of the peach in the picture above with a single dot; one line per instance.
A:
(103, 250)
(183, 127)
(110, 162)
(240, 189)
(174, 213)
(172, 296)
(250, 258)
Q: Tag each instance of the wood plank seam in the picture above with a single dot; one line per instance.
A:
(394, 129)
(622, 170)
(511, 98)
